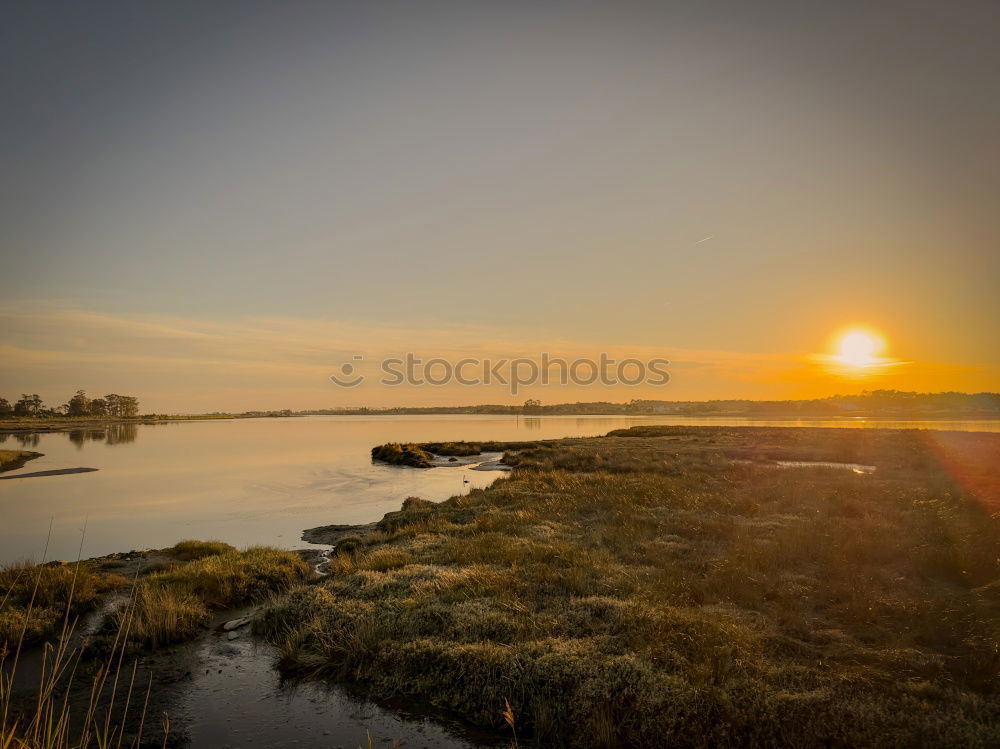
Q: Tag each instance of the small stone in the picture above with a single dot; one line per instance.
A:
(236, 623)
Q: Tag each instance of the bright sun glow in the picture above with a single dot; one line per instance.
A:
(859, 349)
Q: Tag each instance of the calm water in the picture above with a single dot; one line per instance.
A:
(237, 699)
(260, 481)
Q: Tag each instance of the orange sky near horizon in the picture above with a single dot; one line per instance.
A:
(184, 365)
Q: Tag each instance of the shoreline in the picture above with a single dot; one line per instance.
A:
(66, 424)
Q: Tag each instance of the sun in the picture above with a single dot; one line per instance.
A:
(857, 352)
(859, 349)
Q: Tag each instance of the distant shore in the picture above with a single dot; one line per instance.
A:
(64, 423)
(67, 423)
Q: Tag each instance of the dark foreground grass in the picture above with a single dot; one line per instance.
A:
(676, 587)
(169, 602)
(88, 694)
(173, 604)
(35, 600)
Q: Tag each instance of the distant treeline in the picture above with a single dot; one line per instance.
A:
(866, 403)
(111, 405)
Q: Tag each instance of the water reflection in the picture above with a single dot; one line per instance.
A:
(28, 440)
(111, 434)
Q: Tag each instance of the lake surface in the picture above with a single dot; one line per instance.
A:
(263, 481)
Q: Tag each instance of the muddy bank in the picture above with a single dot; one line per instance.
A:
(333, 534)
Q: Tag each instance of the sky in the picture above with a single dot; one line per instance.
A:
(213, 205)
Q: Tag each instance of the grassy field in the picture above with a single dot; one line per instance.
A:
(13, 459)
(677, 586)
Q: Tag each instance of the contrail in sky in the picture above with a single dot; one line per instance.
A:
(710, 236)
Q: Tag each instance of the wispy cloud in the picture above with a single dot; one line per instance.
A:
(185, 364)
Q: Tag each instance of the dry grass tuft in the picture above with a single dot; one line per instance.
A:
(173, 604)
(34, 598)
(188, 551)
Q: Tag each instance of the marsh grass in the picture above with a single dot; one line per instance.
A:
(653, 589)
(162, 616)
(190, 550)
(460, 449)
(43, 604)
(115, 712)
(173, 604)
(36, 599)
(169, 603)
(407, 454)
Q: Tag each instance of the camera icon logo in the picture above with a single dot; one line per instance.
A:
(347, 379)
